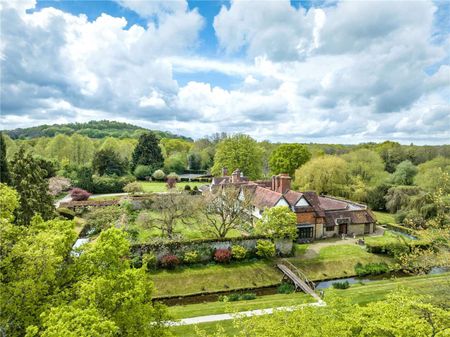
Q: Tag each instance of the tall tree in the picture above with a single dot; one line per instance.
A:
(28, 179)
(404, 173)
(108, 162)
(167, 210)
(147, 152)
(325, 175)
(225, 209)
(4, 171)
(278, 222)
(288, 157)
(239, 152)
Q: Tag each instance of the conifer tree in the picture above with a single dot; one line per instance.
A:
(147, 152)
(28, 179)
(4, 171)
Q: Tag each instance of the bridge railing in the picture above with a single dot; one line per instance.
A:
(298, 272)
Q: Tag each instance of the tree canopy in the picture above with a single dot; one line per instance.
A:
(278, 222)
(4, 170)
(325, 175)
(147, 152)
(238, 152)
(288, 157)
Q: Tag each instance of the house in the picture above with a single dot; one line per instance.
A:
(318, 216)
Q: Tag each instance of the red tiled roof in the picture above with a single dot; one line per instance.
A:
(356, 216)
(292, 197)
(329, 204)
(263, 197)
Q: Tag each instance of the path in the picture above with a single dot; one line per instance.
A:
(250, 313)
(67, 198)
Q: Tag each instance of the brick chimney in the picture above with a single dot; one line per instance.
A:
(224, 171)
(284, 183)
(274, 181)
(236, 176)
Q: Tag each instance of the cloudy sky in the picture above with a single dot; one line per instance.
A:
(325, 71)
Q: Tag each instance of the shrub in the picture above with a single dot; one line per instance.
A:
(239, 252)
(170, 261)
(286, 288)
(79, 194)
(248, 296)
(142, 172)
(187, 187)
(371, 269)
(191, 257)
(110, 184)
(222, 255)
(237, 297)
(58, 184)
(66, 213)
(136, 262)
(159, 175)
(341, 285)
(265, 249)
(101, 218)
(133, 188)
(149, 260)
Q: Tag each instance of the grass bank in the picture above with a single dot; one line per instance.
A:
(384, 217)
(212, 278)
(336, 261)
(435, 286)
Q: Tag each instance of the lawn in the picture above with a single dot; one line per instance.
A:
(159, 186)
(387, 238)
(435, 286)
(336, 261)
(215, 278)
(384, 217)
(261, 302)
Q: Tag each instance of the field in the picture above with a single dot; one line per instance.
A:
(435, 286)
(215, 278)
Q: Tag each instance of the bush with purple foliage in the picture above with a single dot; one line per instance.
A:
(78, 194)
(170, 261)
(222, 255)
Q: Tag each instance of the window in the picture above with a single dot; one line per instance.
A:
(329, 228)
(305, 232)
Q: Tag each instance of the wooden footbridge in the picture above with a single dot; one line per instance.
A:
(297, 277)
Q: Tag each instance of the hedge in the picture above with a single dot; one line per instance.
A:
(401, 229)
(394, 248)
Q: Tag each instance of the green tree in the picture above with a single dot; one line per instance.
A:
(33, 269)
(121, 294)
(82, 150)
(325, 175)
(108, 162)
(288, 157)
(28, 179)
(4, 171)
(431, 175)
(278, 222)
(367, 165)
(194, 161)
(9, 201)
(238, 152)
(70, 321)
(175, 163)
(404, 173)
(147, 152)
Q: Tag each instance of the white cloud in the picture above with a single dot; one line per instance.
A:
(348, 72)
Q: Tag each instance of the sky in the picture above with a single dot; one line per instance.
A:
(285, 71)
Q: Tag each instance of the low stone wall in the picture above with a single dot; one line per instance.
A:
(206, 247)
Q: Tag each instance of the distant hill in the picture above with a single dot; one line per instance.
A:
(92, 129)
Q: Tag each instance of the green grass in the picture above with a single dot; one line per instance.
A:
(300, 249)
(215, 278)
(387, 238)
(336, 261)
(384, 217)
(261, 302)
(435, 286)
(160, 186)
